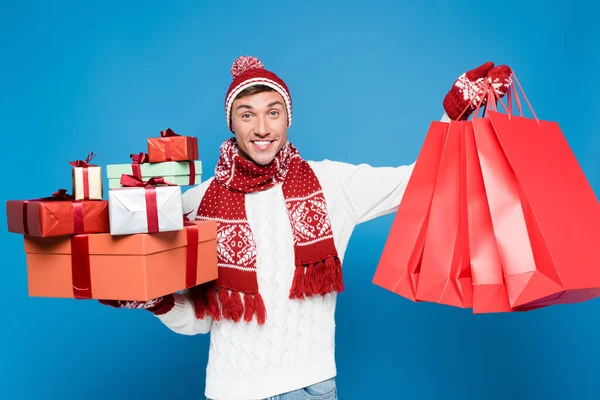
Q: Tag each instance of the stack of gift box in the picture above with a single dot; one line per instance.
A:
(135, 245)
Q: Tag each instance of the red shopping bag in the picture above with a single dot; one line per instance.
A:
(545, 216)
(489, 290)
(399, 264)
(445, 276)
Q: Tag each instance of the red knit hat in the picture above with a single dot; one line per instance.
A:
(249, 71)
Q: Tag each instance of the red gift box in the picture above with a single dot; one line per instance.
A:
(132, 267)
(57, 215)
(172, 147)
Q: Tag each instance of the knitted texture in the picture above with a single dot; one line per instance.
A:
(296, 345)
(158, 306)
(500, 79)
(318, 268)
(469, 90)
(249, 71)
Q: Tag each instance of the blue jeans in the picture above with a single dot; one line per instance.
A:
(325, 390)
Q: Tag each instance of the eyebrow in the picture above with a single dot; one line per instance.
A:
(275, 103)
(249, 107)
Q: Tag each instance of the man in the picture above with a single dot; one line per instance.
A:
(283, 227)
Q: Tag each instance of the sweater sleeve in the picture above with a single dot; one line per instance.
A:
(370, 192)
(182, 317)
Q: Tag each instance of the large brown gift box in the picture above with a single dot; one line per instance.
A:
(132, 267)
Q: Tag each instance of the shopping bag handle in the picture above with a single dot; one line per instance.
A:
(509, 96)
(488, 93)
(492, 98)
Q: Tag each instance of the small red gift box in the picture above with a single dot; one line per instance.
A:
(57, 215)
(172, 147)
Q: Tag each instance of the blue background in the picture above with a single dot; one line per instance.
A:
(366, 81)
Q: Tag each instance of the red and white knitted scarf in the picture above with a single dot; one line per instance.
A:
(318, 268)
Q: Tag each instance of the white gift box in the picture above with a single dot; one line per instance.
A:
(90, 176)
(128, 210)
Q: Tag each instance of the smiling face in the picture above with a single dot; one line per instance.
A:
(259, 122)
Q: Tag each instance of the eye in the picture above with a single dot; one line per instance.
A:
(246, 115)
(274, 113)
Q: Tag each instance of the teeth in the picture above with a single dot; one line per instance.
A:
(262, 142)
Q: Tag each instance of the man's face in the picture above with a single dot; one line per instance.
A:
(259, 122)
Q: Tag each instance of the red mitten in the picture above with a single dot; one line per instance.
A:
(467, 91)
(500, 79)
(158, 306)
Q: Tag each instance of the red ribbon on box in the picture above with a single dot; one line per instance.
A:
(141, 158)
(59, 195)
(151, 204)
(192, 172)
(167, 134)
(85, 164)
(134, 181)
(191, 258)
(80, 267)
(80, 262)
(136, 160)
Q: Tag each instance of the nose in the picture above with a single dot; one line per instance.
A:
(261, 128)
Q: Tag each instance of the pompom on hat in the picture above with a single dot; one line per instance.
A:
(249, 71)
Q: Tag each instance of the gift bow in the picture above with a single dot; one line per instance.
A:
(168, 133)
(150, 195)
(61, 194)
(84, 163)
(134, 181)
(139, 158)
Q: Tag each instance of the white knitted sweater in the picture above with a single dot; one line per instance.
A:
(296, 346)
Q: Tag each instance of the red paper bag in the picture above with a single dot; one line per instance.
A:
(489, 290)
(445, 276)
(544, 212)
(398, 267)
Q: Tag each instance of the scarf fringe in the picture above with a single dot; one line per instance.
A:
(206, 303)
(317, 278)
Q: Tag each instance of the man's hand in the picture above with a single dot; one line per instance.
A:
(158, 306)
(467, 91)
